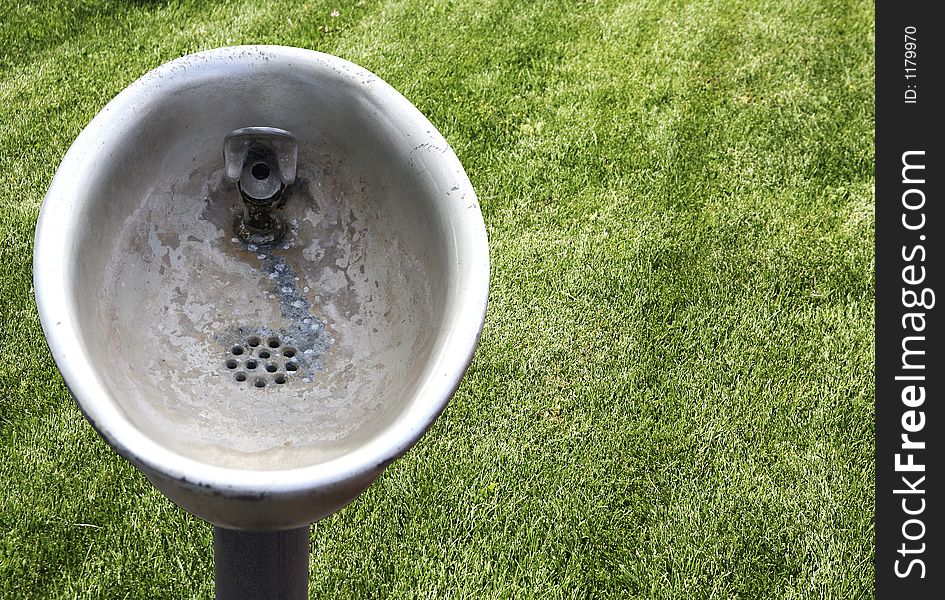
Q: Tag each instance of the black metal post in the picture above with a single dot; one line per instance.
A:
(261, 565)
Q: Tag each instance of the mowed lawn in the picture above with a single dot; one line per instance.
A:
(673, 396)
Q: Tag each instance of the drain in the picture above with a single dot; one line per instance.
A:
(257, 357)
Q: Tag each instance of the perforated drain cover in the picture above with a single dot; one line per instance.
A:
(262, 360)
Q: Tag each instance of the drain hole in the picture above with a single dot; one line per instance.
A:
(288, 352)
(253, 341)
(280, 379)
(260, 170)
(271, 368)
(260, 382)
(273, 342)
(291, 366)
(237, 350)
(263, 354)
(241, 376)
(251, 364)
(231, 364)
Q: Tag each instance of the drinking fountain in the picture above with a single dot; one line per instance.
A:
(262, 273)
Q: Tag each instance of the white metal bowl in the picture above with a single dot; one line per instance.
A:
(377, 295)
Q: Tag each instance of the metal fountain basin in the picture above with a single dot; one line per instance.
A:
(361, 321)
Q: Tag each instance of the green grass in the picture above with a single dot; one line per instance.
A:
(673, 396)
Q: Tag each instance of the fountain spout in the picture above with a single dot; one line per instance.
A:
(261, 161)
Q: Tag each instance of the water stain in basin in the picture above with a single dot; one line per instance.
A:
(343, 289)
